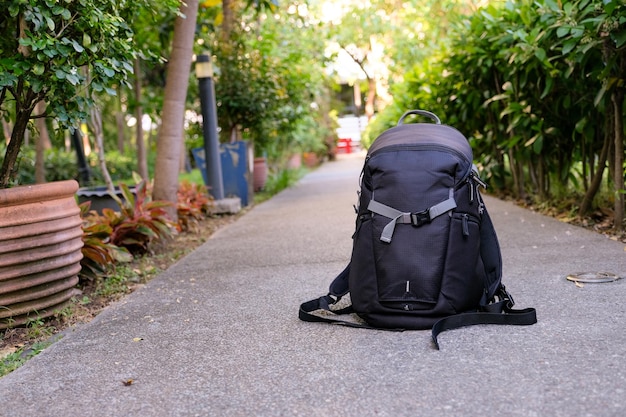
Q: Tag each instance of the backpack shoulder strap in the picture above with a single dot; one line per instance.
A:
(336, 306)
(497, 304)
(508, 316)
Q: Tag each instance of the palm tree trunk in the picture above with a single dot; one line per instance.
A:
(170, 140)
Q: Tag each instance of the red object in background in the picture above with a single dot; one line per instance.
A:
(344, 145)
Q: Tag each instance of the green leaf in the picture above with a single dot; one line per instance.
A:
(562, 31)
(50, 23)
(540, 53)
(120, 254)
(547, 89)
(609, 6)
(38, 69)
(497, 97)
(569, 45)
(619, 38)
(74, 79)
(77, 46)
(7, 79)
(600, 96)
(538, 144)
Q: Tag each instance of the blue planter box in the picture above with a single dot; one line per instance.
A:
(236, 169)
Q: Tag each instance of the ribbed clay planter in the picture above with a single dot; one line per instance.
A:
(40, 250)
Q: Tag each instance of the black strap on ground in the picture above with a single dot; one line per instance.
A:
(522, 317)
(318, 311)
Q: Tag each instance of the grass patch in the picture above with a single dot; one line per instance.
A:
(278, 182)
(16, 359)
(194, 176)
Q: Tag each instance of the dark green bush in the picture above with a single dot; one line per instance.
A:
(61, 165)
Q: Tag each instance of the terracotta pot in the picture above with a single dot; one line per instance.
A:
(311, 160)
(40, 250)
(259, 175)
(295, 161)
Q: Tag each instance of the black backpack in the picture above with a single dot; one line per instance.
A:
(425, 253)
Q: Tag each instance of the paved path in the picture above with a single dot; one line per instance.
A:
(220, 334)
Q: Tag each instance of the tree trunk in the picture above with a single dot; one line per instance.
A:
(42, 143)
(96, 128)
(517, 173)
(371, 98)
(228, 19)
(169, 142)
(120, 123)
(142, 159)
(596, 180)
(618, 180)
(13, 148)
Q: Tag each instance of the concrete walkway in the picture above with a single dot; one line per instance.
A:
(218, 333)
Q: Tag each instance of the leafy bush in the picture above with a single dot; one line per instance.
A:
(120, 166)
(98, 251)
(117, 236)
(61, 165)
(194, 203)
(536, 87)
(140, 220)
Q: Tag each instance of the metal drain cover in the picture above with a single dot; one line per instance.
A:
(593, 277)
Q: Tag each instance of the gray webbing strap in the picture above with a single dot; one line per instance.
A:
(416, 219)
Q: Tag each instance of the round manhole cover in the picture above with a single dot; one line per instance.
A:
(593, 277)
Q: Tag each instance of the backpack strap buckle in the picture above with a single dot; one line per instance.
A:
(417, 219)
(420, 217)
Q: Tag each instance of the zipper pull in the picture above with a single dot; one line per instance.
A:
(475, 178)
(465, 224)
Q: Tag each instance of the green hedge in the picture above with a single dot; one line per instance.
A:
(538, 87)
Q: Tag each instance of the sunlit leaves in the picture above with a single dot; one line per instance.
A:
(524, 81)
(60, 43)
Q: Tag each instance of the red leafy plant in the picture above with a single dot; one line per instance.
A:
(117, 236)
(140, 220)
(98, 251)
(194, 204)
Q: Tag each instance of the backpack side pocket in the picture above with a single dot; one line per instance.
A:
(463, 278)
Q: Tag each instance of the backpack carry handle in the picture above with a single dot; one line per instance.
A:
(428, 114)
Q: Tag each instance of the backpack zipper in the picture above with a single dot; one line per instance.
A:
(425, 147)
